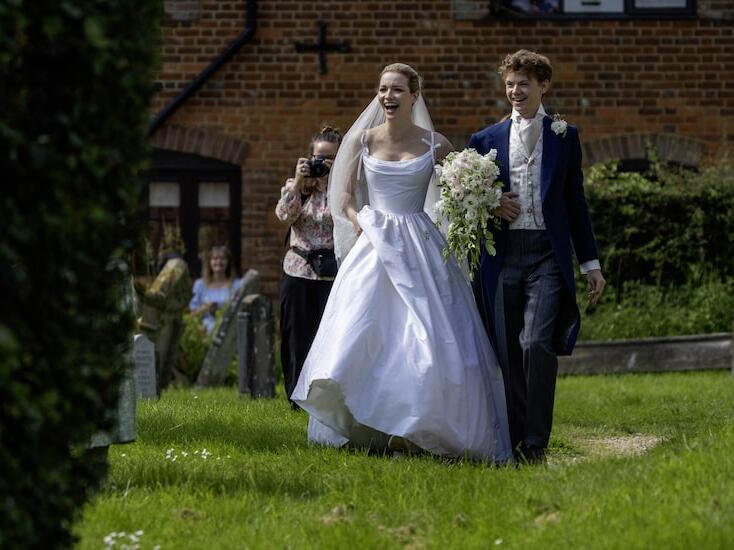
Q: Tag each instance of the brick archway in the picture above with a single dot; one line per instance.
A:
(261, 235)
(198, 141)
(670, 147)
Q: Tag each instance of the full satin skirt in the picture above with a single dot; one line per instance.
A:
(401, 350)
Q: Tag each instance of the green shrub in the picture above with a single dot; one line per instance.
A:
(664, 227)
(194, 344)
(75, 84)
(649, 310)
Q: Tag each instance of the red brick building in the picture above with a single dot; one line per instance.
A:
(626, 72)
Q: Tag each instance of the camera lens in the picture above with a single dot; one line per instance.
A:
(317, 167)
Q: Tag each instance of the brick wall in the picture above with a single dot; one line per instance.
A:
(619, 80)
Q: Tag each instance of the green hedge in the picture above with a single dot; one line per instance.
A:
(649, 310)
(75, 85)
(664, 227)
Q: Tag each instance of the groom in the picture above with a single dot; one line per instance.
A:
(526, 291)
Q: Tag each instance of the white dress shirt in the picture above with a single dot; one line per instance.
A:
(525, 178)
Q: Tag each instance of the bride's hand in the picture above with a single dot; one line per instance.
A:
(352, 215)
(357, 227)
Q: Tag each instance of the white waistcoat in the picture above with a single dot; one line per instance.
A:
(525, 178)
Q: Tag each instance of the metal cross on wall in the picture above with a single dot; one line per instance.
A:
(322, 47)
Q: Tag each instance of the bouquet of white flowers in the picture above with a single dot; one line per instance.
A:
(470, 193)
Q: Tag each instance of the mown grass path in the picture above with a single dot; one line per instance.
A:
(259, 485)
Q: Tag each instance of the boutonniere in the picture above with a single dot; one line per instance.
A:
(559, 126)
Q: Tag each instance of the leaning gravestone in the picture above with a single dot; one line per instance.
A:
(161, 315)
(219, 357)
(144, 358)
(255, 335)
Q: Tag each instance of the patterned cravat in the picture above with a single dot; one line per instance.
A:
(530, 133)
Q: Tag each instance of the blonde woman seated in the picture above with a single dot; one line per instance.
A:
(216, 287)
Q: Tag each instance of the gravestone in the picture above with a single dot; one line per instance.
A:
(222, 350)
(123, 416)
(144, 358)
(243, 353)
(161, 308)
(256, 365)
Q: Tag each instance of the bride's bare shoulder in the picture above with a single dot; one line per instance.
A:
(374, 131)
(373, 134)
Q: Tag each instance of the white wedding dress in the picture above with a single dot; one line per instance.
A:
(401, 349)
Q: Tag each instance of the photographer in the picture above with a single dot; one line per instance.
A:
(309, 265)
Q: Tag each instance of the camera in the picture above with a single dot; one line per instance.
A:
(317, 167)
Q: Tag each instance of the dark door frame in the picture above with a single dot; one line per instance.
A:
(188, 170)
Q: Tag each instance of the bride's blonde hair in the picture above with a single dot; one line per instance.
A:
(414, 79)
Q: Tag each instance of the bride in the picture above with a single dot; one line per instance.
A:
(401, 359)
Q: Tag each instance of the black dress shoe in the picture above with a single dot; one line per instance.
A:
(528, 454)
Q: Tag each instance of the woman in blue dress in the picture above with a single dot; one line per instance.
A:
(216, 287)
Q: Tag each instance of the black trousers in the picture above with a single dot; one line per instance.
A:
(302, 303)
(532, 289)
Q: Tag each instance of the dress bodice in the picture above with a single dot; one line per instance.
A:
(398, 186)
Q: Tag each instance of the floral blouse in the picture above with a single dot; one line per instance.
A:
(311, 226)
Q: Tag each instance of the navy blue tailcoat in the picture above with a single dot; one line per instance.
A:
(566, 217)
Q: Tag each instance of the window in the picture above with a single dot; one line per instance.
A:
(193, 204)
(572, 9)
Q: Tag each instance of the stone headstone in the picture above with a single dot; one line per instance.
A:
(224, 343)
(243, 352)
(261, 364)
(144, 358)
(160, 309)
(123, 416)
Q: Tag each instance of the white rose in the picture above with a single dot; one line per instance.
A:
(457, 193)
(470, 202)
(559, 127)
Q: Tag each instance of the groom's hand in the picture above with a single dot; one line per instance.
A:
(509, 207)
(596, 285)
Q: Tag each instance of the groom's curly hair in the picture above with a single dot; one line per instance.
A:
(532, 64)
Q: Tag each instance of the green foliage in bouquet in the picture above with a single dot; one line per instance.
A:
(75, 84)
(470, 193)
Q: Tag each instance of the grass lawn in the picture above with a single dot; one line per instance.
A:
(637, 461)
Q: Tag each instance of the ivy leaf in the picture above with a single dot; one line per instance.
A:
(95, 33)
